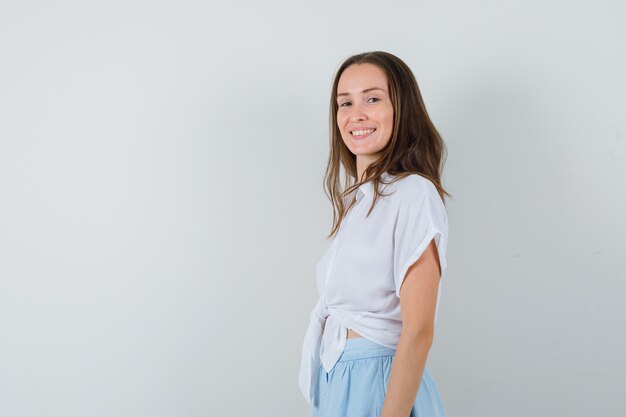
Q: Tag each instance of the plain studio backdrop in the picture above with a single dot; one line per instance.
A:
(162, 210)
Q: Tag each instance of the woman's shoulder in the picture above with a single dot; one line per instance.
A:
(417, 201)
(412, 186)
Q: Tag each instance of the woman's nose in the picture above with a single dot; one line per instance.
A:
(357, 114)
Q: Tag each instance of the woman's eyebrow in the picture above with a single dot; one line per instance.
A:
(364, 91)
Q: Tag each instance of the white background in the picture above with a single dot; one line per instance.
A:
(161, 203)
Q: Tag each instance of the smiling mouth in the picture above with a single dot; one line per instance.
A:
(359, 134)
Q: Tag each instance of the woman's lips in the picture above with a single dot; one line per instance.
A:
(362, 136)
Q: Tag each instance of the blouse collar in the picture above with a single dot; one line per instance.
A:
(367, 189)
(364, 190)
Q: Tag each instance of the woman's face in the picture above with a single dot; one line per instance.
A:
(365, 112)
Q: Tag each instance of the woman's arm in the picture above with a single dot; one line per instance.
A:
(418, 298)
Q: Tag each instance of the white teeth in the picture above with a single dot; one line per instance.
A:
(362, 132)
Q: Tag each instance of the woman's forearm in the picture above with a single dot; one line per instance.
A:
(406, 373)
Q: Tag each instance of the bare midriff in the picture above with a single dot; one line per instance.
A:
(352, 333)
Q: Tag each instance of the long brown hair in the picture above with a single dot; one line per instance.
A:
(415, 146)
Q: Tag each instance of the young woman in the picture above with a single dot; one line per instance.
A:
(364, 352)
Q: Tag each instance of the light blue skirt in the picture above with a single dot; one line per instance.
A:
(357, 384)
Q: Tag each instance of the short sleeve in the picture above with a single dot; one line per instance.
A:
(421, 216)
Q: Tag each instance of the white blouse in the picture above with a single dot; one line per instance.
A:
(360, 274)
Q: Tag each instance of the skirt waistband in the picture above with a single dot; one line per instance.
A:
(361, 347)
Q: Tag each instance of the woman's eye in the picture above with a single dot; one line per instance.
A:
(348, 103)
